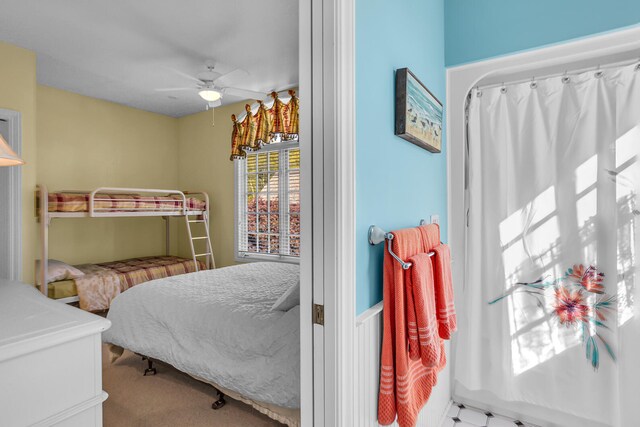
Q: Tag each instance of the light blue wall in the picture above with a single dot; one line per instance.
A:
(397, 182)
(479, 29)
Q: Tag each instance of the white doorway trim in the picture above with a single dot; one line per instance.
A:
(327, 96)
(14, 231)
(575, 55)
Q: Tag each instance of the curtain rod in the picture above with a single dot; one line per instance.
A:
(564, 73)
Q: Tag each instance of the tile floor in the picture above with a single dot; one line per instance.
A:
(463, 416)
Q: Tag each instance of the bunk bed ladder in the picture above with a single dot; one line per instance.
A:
(208, 254)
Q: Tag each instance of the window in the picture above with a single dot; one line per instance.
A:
(268, 203)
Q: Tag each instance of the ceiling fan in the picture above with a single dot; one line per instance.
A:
(211, 86)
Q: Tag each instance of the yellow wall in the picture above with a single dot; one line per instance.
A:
(85, 143)
(204, 165)
(18, 93)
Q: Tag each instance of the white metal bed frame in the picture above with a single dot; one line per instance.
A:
(182, 210)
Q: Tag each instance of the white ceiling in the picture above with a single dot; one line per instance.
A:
(122, 50)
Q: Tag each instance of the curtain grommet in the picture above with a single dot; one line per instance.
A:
(533, 85)
(479, 94)
(566, 79)
(503, 90)
(598, 74)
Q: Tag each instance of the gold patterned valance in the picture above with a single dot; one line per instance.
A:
(267, 125)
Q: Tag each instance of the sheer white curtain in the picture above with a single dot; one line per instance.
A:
(552, 199)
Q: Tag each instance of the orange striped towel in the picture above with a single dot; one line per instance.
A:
(446, 312)
(412, 323)
(405, 384)
(421, 306)
(430, 236)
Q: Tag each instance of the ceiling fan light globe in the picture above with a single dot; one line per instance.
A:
(213, 104)
(210, 95)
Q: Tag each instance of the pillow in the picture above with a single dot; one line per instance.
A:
(289, 299)
(58, 270)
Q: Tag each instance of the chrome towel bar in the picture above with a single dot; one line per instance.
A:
(377, 235)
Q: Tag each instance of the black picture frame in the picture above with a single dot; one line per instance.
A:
(418, 112)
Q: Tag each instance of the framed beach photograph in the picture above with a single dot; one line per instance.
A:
(418, 112)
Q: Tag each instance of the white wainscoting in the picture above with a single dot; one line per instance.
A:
(369, 344)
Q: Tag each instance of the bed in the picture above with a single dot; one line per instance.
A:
(102, 282)
(120, 202)
(219, 326)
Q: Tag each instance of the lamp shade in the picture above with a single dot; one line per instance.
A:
(8, 157)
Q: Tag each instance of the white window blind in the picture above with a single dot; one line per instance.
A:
(268, 203)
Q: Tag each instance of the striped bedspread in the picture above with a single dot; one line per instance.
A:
(103, 282)
(76, 202)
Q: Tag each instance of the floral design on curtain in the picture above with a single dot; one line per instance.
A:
(578, 300)
(278, 123)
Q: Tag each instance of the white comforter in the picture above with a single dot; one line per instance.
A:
(217, 325)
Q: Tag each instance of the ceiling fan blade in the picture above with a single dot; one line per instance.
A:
(238, 72)
(243, 93)
(174, 89)
(185, 75)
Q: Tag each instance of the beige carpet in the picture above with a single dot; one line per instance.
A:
(169, 398)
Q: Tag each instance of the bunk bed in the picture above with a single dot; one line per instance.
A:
(100, 283)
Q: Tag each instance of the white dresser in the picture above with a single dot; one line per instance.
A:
(50, 361)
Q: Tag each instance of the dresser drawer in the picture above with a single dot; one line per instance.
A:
(47, 383)
(88, 417)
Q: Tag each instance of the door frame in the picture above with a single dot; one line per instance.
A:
(14, 232)
(327, 265)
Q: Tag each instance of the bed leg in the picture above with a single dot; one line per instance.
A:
(220, 402)
(150, 369)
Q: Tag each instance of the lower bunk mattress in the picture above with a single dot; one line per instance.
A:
(102, 282)
(218, 326)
